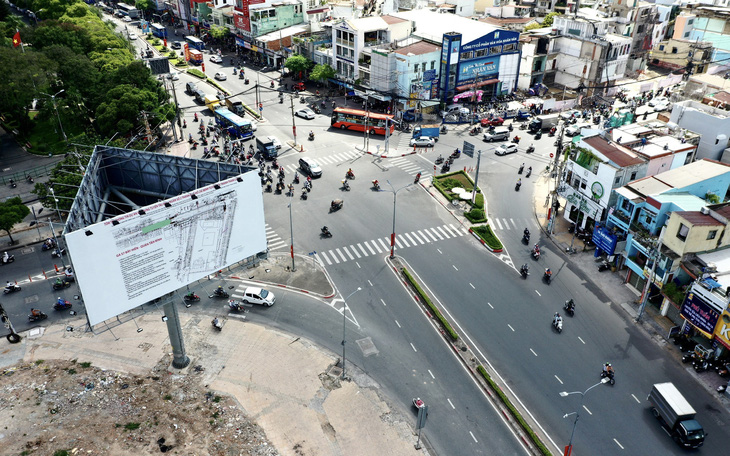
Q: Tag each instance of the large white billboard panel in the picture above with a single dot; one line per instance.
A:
(134, 258)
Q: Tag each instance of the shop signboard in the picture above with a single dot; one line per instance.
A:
(604, 239)
(480, 70)
(699, 313)
(722, 333)
(429, 75)
(490, 40)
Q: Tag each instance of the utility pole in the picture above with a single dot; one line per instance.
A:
(476, 179)
(367, 121)
(654, 254)
(177, 113)
(556, 171)
(293, 122)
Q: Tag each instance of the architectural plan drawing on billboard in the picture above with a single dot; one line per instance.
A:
(136, 257)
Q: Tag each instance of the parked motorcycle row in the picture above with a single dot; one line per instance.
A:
(701, 358)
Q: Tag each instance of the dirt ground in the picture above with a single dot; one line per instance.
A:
(70, 407)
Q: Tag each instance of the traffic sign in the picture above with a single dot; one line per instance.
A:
(551, 155)
(468, 149)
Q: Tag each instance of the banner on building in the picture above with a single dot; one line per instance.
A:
(699, 313)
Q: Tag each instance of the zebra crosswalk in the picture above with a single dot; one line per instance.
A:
(332, 159)
(273, 241)
(507, 224)
(410, 167)
(382, 245)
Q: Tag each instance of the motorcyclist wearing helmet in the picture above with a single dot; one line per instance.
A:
(60, 302)
(557, 318)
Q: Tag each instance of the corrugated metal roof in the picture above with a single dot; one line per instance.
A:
(418, 48)
(697, 218)
(614, 153)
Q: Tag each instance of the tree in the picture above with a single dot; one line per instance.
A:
(12, 211)
(297, 64)
(534, 26)
(218, 32)
(548, 20)
(322, 73)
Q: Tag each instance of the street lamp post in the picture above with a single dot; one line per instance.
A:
(53, 99)
(569, 448)
(392, 235)
(344, 321)
(291, 230)
(58, 212)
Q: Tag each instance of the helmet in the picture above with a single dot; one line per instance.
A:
(59, 298)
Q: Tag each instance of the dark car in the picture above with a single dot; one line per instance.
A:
(176, 45)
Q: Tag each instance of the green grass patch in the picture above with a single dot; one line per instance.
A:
(85, 364)
(434, 310)
(197, 73)
(517, 415)
(445, 182)
(485, 232)
(131, 426)
(476, 215)
(61, 453)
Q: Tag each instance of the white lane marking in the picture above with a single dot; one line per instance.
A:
(499, 225)
(470, 284)
(443, 232)
(513, 222)
(381, 300)
(398, 242)
(371, 284)
(441, 238)
(396, 322)
(348, 253)
(472, 436)
(637, 400)
(417, 238)
(385, 246)
(619, 445)
(453, 234)
(451, 403)
(490, 305)
(370, 248)
(454, 267)
(432, 376)
(424, 236)
(538, 293)
(354, 250)
(358, 265)
(457, 230)
(409, 238)
(533, 352)
(506, 225)
(439, 251)
(586, 409)
(325, 257)
(362, 249)
(414, 348)
(510, 327)
(584, 342)
(429, 233)
(561, 382)
(339, 252)
(334, 257)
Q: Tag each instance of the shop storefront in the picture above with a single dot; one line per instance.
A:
(701, 310)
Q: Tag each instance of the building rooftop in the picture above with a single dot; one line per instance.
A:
(697, 218)
(418, 48)
(613, 152)
(681, 201)
(431, 26)
(693, 173)
(648, 186)
(367, 24)
(720, 97)
(507, 20)
(392, 19)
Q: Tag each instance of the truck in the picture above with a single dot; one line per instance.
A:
(543, 122)
(212, 102)
(676, 415)
(430, 131)
(267, 146)
(235, 106)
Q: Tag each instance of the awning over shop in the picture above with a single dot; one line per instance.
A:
(370, 94)
(318, 10)
(628, 194)
(478, 84)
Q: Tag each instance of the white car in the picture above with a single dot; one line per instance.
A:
(574, 129)
(215, 58)
(220, 76)
(305, 113)
(663, 106)
(127, 19)
(132, 36)
(506, 149)
(174, 75)
(570, 114)
(658, 101)
(254, 125)
(258, 296)
(423, 141)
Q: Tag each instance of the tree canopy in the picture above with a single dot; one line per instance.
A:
(297, 63)
(12, 211)
(322, 72)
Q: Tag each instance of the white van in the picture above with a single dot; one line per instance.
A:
(497, 134)
(457, 110)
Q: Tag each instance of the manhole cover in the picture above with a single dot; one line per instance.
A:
(31, 299)
(367, 347)
(27, 250)
(335, 371)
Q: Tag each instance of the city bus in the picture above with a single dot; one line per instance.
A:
(356, 119)
(195, 43)
(128, 10)
(237, 127)
(159, 31)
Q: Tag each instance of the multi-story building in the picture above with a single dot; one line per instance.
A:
(675, 54)
(634, 19)
(706, 24)
(536, 58)
(712, 123)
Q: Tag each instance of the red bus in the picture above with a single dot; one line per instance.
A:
(356, 119)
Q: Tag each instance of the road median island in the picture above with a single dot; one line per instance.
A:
(485, 234)
(531, 440)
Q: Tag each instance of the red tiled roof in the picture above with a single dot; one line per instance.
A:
(724, 211)
(697, 218)
(392, 19)
(418, 48)
(506, 20)
(612, 152)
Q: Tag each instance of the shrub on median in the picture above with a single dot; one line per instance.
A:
(434, 310)
(485, 232)
(476, 216)
(526, 427)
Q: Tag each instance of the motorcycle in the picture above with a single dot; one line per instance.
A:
(301, 100)
(569, 307)
(439, 160)
(48, 245)
(311, 136)
(345, 185)
(443, 130)
(418, 403)
(304, 194)
(40, 316)
(530, 149)
(604, 266)
(326, 232)
(526, 238)
(517, 186)
(61, 284)
(610, 375)
(191, 297)
(418, 178)
(547, 277)
(236, 306)
(241, 75)
(60, 306)
(376, 186)
(336, 205)
(536, 254)
(8, 260)
(558, 324)
(529, 172)
(219, 293)
(524, 271)
(516, 139)
(445, 168)
(455, 154)
(217, 324)
(522, 167)
(349, 175)
(474, 131)
(538, 135)
(13, 184)
(700, 365)
(29, 179)
(510, 128)
(11, 289)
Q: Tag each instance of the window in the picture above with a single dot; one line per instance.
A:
(495, 50)
(674, 50)
(661, 47)
(633, 176)
(465, 55)
(509, 47)
(423, 67)
(617, 180)
(711, 234)
(480, 52)
(683, 232)
(433, 64)
(686, 34)
(690, 22)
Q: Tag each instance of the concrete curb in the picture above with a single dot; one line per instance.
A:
(476, 236)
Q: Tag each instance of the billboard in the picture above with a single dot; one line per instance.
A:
(699, 313)
(480, 69)
(126, 261)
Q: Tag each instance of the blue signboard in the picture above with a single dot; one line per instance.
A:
(700, 314)
(429, 75)
(604, 240)
(479, 69)
(496, 38)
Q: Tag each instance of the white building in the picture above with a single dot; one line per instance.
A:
(712, 124)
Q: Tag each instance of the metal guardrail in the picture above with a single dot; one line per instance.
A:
(21, 176)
